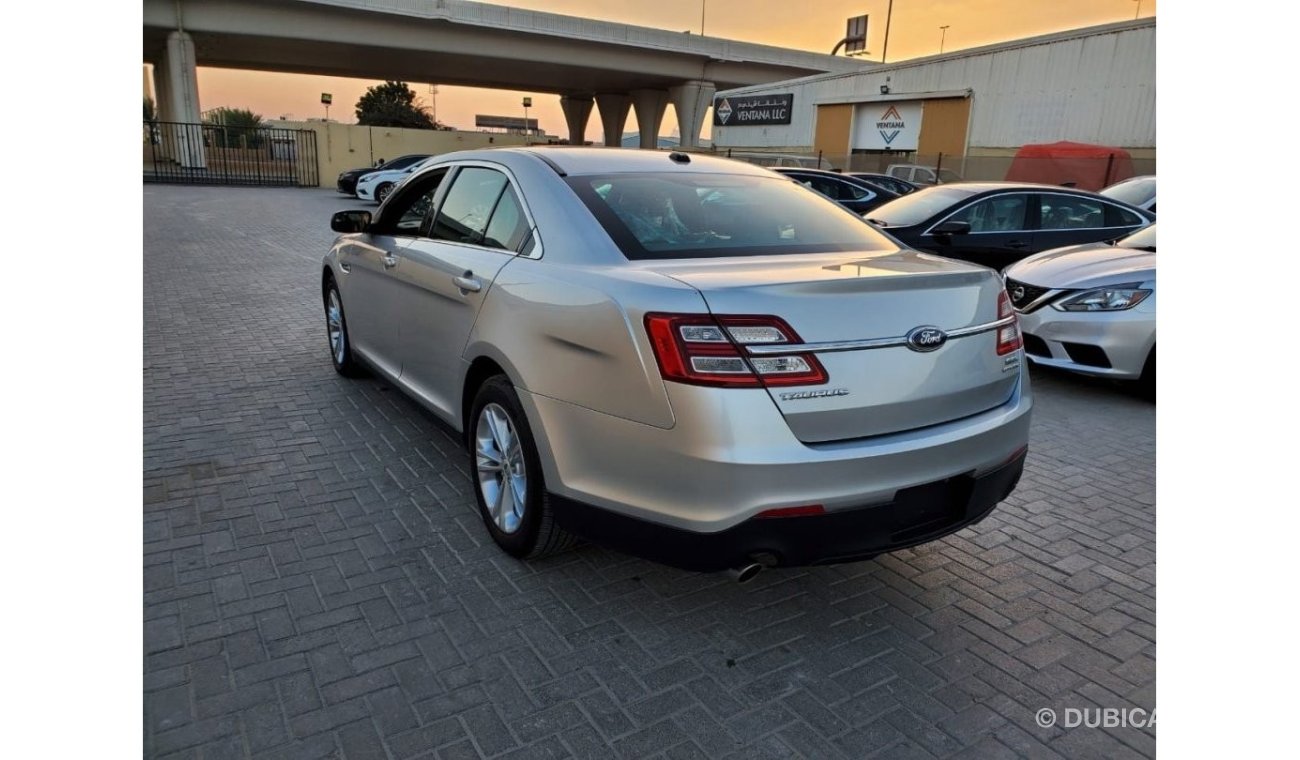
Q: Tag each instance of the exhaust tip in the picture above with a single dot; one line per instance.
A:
(745, 573)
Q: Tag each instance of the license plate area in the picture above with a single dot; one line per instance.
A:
(929, 508)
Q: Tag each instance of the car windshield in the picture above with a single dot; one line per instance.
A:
(1134, 192)
(1143, 240)
(401, 162)
(677, 216)
(916, 207)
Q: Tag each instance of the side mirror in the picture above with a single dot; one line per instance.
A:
(951, 228)
(350, 221)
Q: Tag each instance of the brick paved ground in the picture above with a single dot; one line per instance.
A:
(318, 583)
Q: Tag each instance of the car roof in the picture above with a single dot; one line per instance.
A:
(809, 170)
(574, 160)
(983, 187)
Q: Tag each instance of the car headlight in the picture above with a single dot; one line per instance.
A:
(1114, 298)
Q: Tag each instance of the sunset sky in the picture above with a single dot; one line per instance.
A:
(816, 26)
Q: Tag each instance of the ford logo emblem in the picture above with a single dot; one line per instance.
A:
(926, 339)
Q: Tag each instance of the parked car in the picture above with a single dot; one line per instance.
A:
(856, 195)
(347, 182)
(772, 160)
(999, 223)
(376, 186)
(922, 175)
(892, 184)
(1091, 308)
(1135, 191)
(682, 357)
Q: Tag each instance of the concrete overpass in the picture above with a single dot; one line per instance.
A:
(455, 42)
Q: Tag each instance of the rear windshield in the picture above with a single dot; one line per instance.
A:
(916, 207)
(1134, 192)
(1143, 240)
(679, 216)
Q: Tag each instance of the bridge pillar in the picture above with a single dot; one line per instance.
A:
(613, 116)
(577, 110)
(690, 100)
(650, 106)
(177, 79)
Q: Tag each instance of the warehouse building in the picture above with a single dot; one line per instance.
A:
(969, 110)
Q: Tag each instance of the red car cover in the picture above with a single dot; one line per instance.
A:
(1087, 167)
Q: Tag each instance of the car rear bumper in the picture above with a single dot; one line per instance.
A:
(347, 186)
(730, 455)
(915, 515)
(1105, 344)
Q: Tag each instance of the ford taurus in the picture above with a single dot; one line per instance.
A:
(687, 358)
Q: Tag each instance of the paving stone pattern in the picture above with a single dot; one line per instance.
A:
(318, 584)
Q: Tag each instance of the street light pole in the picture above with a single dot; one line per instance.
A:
(888, 16)
(703, 5)
(942, 37)
(1139, 9)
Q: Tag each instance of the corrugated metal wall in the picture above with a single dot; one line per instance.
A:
(1093, 88)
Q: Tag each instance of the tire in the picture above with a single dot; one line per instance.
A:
(534, 533)
(336, 332)
(382, 192)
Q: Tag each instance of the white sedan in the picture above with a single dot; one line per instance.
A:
(1091, 308)
(376, 186)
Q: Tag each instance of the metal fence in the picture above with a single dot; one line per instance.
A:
(216, 154)
(1083, 173)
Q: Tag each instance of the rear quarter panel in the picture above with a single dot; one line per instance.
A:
(575, 334)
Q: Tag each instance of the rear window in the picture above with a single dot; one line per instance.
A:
(1134, 192)
(916, 207)
(678, 216)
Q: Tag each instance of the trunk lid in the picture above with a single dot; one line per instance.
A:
(830, 298)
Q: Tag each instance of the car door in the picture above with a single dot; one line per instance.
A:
(1068, 219)
(370, 264)
(1001, 231)
(476, 229)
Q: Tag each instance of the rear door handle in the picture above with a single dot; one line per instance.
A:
(467, 282)
(1017, 244)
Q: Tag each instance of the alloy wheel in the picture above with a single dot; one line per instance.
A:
(502, 475)
(334, 318)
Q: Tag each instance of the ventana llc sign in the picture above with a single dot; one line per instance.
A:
(753, 110)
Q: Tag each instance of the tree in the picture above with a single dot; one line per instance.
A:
(393, 104)
(238, 128)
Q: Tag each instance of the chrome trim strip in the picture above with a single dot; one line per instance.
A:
(1044, 298)
(863, 345)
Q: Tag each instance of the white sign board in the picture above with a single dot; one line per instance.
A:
(887, 126)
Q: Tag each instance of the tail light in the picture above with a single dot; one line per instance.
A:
(1008, 335)
(702, 349)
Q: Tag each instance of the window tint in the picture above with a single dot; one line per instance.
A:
(840, 191)
(1069, 212)
(1001, 213)
(509, 226)
(465, 210)
(1121, 217)
(685, 215)
(405, 211)
(916, 207)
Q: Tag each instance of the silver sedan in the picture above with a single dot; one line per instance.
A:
(1091, 308)
(691, 359)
